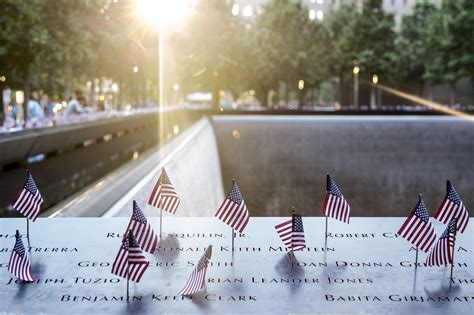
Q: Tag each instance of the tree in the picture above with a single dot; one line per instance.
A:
(208, 49)
(70, 46)
(451, 54)
(411, 48)
(287, 47)
(22, 37)
(38, 43)
(315, 69)
(275, 47)
(339, 24)
(372, 39)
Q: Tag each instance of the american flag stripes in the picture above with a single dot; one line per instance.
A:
(335, 206)
(441, 254)
(164, 195)
(291, 233)
(453, 208)
(197, 279)
(20, 264)
(130, 262)
(142, 230)
(233, 210)
(417, 228)
(29, 199)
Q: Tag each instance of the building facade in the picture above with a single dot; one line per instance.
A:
(317, 9)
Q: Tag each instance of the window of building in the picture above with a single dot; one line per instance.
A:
(319, 15)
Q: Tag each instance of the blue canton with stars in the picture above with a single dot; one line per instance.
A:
(203, 261)
(333, 189)
(19, 248)
(453, 195)
(30, 185)
(164, 179)
(138, 214)
(235, 194)
(450, 229)
(421, 212)
(125, 244)
(297, 223)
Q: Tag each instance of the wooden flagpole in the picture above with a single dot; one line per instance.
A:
(326, 235)
(161, 222)
(128, 284)
(416, 259)
(28, 233)
(130, 240)
(452, 255)
(233, 236)
(27, 220)
(293, 212)
(17, 234)
(292, 253)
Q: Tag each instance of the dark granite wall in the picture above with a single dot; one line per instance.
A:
(381, 164)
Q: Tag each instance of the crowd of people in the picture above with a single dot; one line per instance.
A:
(42, 111)
(76, 105)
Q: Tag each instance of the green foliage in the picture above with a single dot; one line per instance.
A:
(287, 47)
(412, 49)
(208, 51)
(22, 37)
(370, 39)
(450, 41)
(50, 43)
(44, 35)
(339, 26)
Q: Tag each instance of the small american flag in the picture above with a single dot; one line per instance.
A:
(164, 196)
(142, 230)
(453, 208)
(335, 206)
(418, 229)
(20, 264)
(441, 254)
(29, 199)
(130, 262)
(291, 233)
(233, 210)
(198, 277)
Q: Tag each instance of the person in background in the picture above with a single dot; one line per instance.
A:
(74, 106)
(83, 103)
(48, 106)
(14, 110)
(100, 106)
(34, 110)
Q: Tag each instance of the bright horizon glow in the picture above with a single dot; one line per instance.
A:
(163, 13)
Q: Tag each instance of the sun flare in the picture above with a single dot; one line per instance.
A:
(163, 13)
